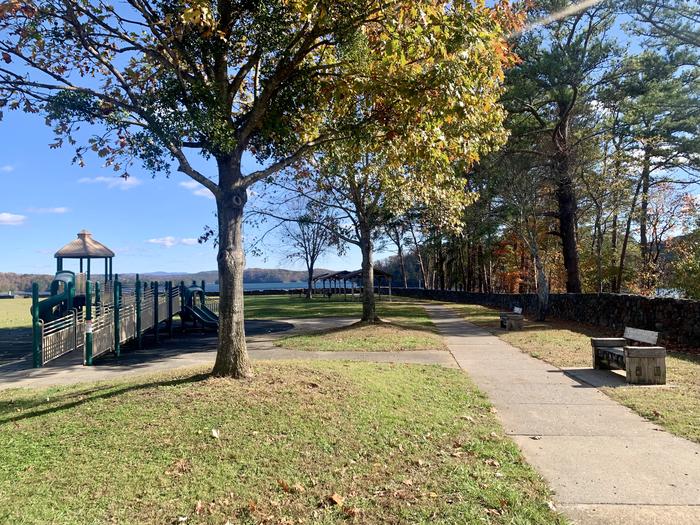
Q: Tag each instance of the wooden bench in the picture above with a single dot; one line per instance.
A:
(512, 320)
(643, 365)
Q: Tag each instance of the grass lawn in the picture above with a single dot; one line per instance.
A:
(406, 327)
(296, 307)
(566, 345)
(300, 443)
(385, 337)
(14, 313)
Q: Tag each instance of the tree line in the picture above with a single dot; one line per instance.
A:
(595, 189)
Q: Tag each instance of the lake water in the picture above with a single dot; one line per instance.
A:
(295, 285)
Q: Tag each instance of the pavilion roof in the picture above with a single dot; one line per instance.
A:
(348, 275)
(84, 246)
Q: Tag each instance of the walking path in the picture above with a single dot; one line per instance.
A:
(192, 350)
(605, 464)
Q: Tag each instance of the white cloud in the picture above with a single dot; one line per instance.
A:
(112, 182)
(59, 210)
(11, 219)
(197, 189)
(169, 241)
(7, 168)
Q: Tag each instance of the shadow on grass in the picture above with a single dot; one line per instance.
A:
(427, 327)
(15, 343)
(77, 398)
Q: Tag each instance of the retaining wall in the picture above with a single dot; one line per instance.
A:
(678, 320)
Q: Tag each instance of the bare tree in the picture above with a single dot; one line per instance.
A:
(309, 235)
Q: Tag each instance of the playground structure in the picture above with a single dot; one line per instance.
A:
(96, 317)
(107, 317)
(196, 309)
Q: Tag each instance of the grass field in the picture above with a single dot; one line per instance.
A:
(14, 313)
(566, 345)
(385, 337)
(406, 326)
(296, 307)
(318, 443)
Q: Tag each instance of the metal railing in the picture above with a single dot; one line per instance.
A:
(103, 333)
(62, 335)
(127, 322)
(109, 326)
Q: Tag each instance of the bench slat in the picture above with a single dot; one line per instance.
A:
(642, 336)
(612, 350)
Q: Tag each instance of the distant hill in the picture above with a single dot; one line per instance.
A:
(17, 282)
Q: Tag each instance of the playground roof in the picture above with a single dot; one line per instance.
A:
(347, 275)
(84, 247)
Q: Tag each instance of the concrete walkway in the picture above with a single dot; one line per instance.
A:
(191, 350)
(605, 464)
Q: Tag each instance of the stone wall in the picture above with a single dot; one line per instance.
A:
(677, 320)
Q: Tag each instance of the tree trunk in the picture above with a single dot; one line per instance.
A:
(542, 286)
(625, 239)
(598, 243)
(419, 256)
(232, 355)
(310, 282)
(402, 264)
(643, 219)
(369, 307)
(566, 199)
(613, 244)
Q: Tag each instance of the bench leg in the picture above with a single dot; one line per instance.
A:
(598, 363)
(645, 370)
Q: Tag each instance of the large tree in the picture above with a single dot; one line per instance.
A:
(563, 62)
(162, 81)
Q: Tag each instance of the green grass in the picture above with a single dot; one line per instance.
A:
(14, 313)
(406, 327)
(295, 307)
(300, 443)
(384, 337)
(566, 345)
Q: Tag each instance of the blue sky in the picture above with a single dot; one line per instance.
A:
(151, 224)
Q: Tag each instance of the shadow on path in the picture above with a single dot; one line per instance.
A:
(19, 359)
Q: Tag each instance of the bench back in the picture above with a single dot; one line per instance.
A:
(517, 310)
(641, 336)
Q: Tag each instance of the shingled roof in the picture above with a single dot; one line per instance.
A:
(84, 246)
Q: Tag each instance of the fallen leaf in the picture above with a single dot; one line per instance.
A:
(336, 499)
(284, 485)
(408, 482)
(492, 462)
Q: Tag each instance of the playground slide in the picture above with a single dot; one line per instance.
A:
(206, 317)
